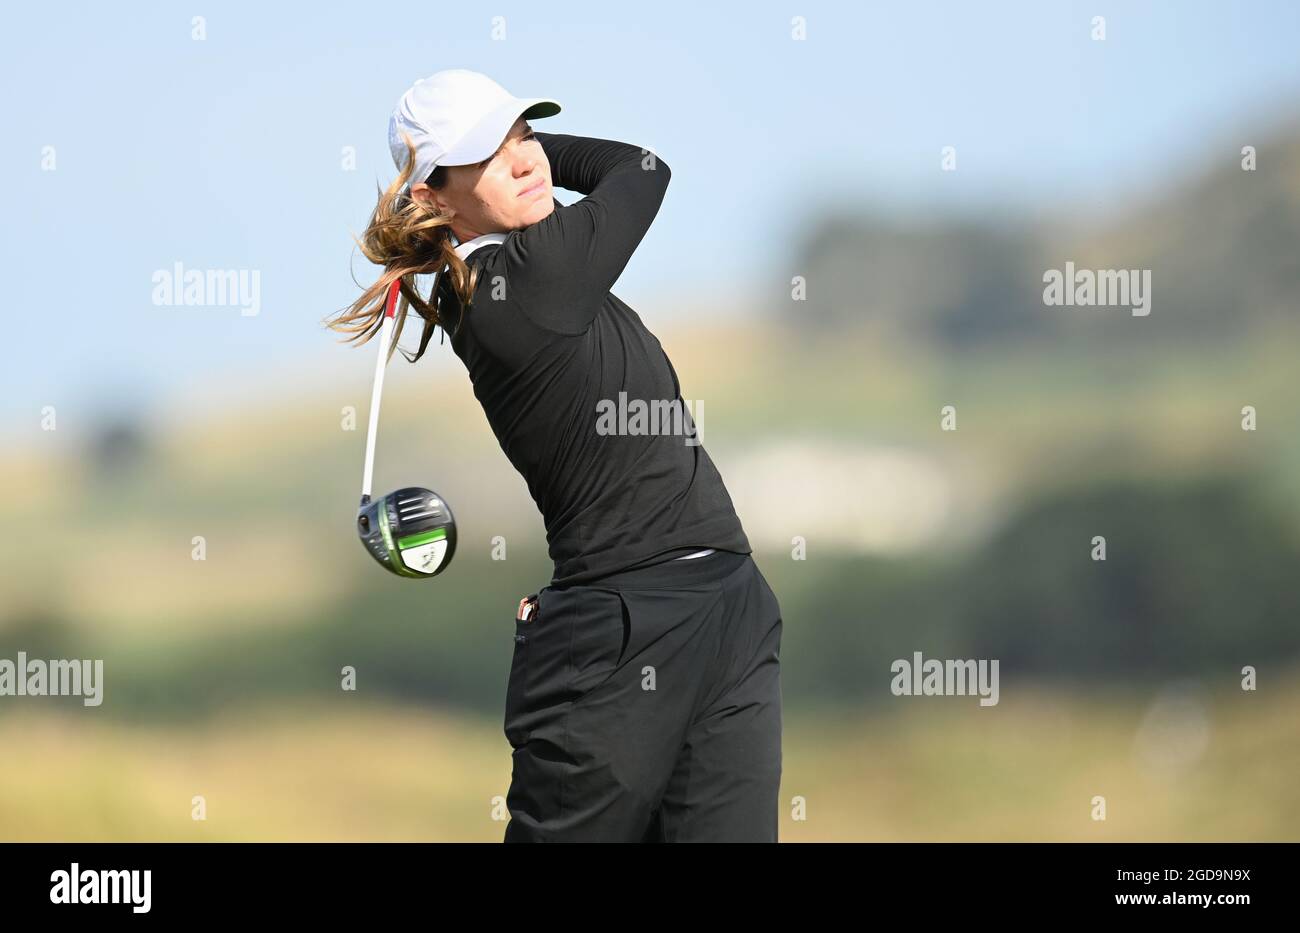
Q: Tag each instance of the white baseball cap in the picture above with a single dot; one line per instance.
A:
(457, 117)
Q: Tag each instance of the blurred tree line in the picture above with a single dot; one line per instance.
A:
(1199, 579)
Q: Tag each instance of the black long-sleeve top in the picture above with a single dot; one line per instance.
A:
(549, 348)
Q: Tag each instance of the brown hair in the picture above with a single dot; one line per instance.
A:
(407, 239)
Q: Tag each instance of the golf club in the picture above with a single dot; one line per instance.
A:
(411, 531)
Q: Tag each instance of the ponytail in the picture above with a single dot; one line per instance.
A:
(407, 239)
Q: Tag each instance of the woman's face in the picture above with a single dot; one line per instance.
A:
(509, 190)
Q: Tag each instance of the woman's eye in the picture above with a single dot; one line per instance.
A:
(529, 135)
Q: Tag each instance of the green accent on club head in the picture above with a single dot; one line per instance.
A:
(394, 558)
(422, 537)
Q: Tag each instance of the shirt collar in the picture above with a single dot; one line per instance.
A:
(464, 249)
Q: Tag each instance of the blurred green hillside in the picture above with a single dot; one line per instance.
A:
(1222, 248)
(1200, 518)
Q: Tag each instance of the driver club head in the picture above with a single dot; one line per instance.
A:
(411, 532)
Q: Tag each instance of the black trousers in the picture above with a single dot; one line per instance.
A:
(646, 707)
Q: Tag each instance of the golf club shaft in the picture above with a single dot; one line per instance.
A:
(385, 339)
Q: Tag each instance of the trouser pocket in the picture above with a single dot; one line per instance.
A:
(526, 626)
(568, 644)
(596, 737)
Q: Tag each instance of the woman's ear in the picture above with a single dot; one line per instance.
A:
(423, 195)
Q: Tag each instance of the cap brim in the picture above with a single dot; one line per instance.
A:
(490, 133)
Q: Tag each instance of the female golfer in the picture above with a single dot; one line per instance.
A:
(644, 699)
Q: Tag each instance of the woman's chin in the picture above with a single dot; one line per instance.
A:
(539, 211)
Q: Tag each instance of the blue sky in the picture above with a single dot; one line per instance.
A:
(226, 153)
